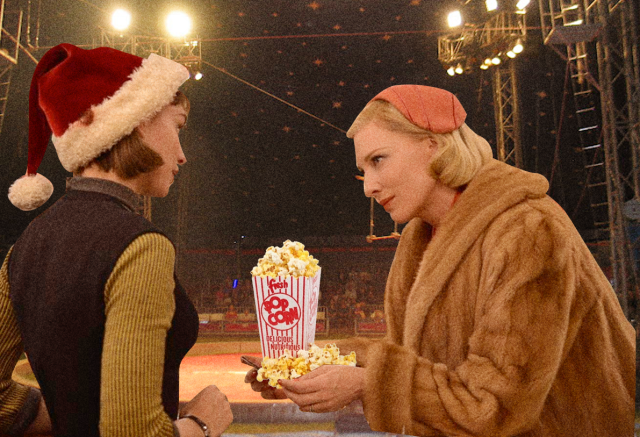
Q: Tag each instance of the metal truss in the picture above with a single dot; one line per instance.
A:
(470, 48)
(474, 43)
(11, 24)
(571, 35)
(607, 30)
(186, 52)
(507, 115)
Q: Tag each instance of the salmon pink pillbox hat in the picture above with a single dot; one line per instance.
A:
(433, 109)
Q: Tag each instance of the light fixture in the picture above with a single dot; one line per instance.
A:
(197, 76)
(522, 4)
(120, 19)
(518, 48)
(454, 19)
(459, 69)
(487, 61)
(511, 54)
(485, 66)
(492, 5)
(451, 71)
(178, 24)
(575, 23)
(496, 61)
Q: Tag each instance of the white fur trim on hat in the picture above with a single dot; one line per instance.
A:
(151, 88)
(30, 192)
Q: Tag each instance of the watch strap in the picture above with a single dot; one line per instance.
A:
(201, 424)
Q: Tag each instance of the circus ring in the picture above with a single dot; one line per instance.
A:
(218, 363)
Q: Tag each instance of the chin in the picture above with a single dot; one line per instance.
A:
(156, 192)
(162, 193)
(399, 219)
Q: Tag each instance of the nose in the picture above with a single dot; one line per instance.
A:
(182, 160)
(371, 187)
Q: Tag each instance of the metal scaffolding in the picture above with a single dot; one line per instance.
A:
(599, 41)
(474, 46)
(11, 24)
(600, 38)
(186, 52)
(507, 115)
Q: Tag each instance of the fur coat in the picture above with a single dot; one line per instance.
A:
(502, 324)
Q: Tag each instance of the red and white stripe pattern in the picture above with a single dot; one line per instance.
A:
(287, 309)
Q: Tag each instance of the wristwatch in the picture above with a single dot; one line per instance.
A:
(201, 424)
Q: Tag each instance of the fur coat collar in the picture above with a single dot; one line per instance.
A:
(502, 324)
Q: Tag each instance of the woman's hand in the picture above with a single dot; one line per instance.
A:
(212, 407)
(42, 423)
(328, 388)
(265, 390)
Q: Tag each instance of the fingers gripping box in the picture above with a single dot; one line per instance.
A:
(286, 285)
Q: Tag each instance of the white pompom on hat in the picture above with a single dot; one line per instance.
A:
(121, 89)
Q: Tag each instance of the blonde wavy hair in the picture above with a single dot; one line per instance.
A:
(460, 154)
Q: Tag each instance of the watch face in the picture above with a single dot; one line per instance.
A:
(631, 209)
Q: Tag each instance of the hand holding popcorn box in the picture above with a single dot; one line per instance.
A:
(289, 366)
(286, 284)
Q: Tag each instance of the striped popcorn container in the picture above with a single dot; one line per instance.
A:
(286, 307)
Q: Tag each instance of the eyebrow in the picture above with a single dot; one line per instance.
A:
(368, 157)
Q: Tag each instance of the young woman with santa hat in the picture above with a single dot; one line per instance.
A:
(89, 289)
(499, 320)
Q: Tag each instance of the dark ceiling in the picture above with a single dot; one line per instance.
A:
(265, 169)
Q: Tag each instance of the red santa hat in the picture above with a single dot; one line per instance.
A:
(121, 89)
(433, 109)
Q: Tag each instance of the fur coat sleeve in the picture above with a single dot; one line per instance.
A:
(501, 325)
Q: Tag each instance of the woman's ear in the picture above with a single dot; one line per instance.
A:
(433, 143)
(140, 128)
(432, 146)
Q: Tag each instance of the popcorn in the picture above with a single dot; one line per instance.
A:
(289, 260)
(290, 367)
(286, 286)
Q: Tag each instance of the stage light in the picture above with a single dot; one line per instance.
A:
(120, 20)
(454, 19)
(451, 71)
(484, 66)
(522, 4)
(492, 5)
(178, 24)
(496, 61)
(198, 76)
(459, 69)
(487, 61)
(511, 54)
(518, 48)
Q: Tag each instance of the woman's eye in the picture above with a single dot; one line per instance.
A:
(376, 159)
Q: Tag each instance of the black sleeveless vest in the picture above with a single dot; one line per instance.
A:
(57, 274)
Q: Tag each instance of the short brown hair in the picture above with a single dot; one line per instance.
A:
(130, 156)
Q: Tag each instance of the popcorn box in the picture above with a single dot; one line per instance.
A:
(287, 308)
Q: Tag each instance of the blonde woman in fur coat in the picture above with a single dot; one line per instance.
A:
(499, 320)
